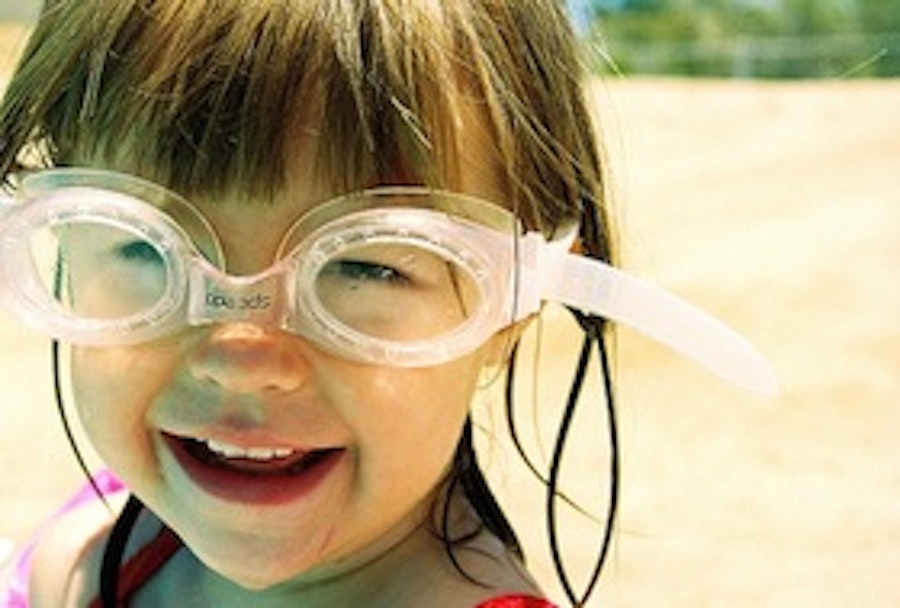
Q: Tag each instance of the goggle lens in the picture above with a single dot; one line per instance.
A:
(97, 270)
(397, 292)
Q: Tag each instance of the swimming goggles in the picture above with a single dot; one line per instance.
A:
(397, 276)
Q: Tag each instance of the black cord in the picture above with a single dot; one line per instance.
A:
(67, 427)
(115, 551)
(513, 430)
(593, 337)
(555, 465)
(614, 464)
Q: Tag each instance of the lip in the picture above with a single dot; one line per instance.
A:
(254, 487)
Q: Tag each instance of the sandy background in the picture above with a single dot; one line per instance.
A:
(778, 207)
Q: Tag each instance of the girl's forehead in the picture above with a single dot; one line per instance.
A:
(312, 177)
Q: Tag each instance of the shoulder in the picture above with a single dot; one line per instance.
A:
(67, 556)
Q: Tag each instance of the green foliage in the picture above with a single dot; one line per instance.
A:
(774, 39)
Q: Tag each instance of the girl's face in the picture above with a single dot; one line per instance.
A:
(269, 457)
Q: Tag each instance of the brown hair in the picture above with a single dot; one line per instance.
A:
(205, 96)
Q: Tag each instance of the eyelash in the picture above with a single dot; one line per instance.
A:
(140, 251)
(359, 270)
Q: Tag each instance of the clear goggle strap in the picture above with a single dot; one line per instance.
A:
(596, 288)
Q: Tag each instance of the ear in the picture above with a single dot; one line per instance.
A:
(499, 348)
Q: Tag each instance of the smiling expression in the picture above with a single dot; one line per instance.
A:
(268, 456)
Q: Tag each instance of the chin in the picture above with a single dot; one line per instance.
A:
(255, 575)
(255, 585)
(256, 581)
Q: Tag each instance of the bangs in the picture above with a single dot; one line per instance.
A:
(215, 97)
(227, 97)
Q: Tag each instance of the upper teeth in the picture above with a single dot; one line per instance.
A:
(255, 453)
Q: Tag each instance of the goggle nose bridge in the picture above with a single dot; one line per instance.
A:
(264, 299)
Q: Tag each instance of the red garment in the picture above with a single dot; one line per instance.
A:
(151, 557)
(516, 601)
(143, 565)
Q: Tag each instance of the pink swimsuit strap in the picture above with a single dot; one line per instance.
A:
(16, 593)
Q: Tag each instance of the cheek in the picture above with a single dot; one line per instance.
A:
(408, 422)
(112, 391)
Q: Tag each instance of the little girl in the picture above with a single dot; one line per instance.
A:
(281, 243)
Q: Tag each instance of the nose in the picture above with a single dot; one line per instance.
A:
(248, 358)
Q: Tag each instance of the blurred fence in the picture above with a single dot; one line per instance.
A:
(833, 56)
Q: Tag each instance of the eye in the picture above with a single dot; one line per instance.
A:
(138, 251)
(360, 271)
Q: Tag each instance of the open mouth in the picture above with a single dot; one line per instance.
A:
(259, 475)
(254, 461)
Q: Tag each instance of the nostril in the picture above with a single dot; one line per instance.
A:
(245, 358)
